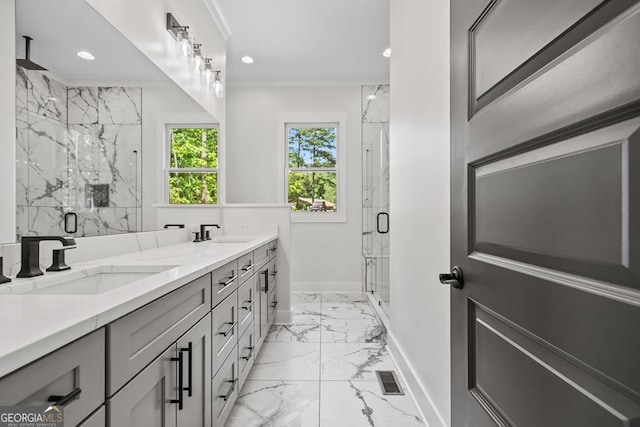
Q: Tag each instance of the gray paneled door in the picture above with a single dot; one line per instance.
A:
(546, 212)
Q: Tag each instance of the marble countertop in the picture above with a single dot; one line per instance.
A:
(34, 325)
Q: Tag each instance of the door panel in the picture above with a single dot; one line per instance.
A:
(545, 202)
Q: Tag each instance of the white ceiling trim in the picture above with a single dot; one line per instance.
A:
(219, 17)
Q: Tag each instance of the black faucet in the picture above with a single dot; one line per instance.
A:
(206, 236)
(30, 266)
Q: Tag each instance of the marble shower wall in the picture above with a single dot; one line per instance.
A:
(78, 150)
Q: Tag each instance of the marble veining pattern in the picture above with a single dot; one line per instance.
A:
(71, 138)
(284, 388)
(120, 105)
(375, 109)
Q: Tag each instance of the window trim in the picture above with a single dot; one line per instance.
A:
(167, 170)
(314, 119)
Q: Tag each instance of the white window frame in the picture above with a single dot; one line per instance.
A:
(315, 119)
(169, 170)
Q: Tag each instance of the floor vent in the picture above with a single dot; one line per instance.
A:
(389, 382)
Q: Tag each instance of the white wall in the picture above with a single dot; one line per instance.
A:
(325, 256)
(161, 106)
(8, 121)
(420, 197)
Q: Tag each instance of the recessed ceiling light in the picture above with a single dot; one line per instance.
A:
(387, 53)
(371, 97)
(85, 55)
(247, 60)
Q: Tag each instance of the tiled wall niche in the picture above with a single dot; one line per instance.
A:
(78, 150)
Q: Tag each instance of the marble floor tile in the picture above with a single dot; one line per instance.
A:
(287, 361)
(298, 332)
(345, 297)
(352, 331)
(354, 310)
(361, 403)
(354, 361)
(276, 403)
(307, 297)
(305, 313)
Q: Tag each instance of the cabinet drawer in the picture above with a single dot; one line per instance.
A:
(98, 419)
(224, 328)
(247, 304)
(148, 400)
(273, 248)
(138, 338)
(273, 304)
(246, 354)
(224, 389)
(261, 256)
(224, 281)
(77, 366)
(245, 267)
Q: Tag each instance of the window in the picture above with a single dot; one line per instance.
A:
(193, 165)
(313, 173)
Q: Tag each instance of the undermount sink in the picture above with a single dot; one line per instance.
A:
(230, 240)
(95, 280)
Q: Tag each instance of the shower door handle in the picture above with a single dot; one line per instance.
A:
(378, 229)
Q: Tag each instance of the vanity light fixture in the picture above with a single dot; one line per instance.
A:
(387, 53)
(247, 60)
(207, 73)
(197, 59)
(184, 41)
(218, 87)
(85, 55)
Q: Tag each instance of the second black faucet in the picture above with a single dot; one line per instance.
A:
(204, 233)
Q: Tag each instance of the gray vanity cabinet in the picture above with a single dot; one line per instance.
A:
(97, 419)
(224, 281)
(245, 267)
(147, 399)
(75, 371)
(246, 304)
(195, 347)
(225, 388)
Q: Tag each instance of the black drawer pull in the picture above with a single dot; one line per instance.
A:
(230, 391)
(180, 399)
(228, 331)
(228, 282)
(64, 400)
(250, 353)
(248, 307)
(274, 304)
(248, 267)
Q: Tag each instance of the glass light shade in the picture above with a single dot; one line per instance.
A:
(197, 61)
(208, 75)
(218, 87)
(184, 44)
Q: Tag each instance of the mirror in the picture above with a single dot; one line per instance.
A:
(79, 124)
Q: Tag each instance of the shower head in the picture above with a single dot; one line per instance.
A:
(26, 62)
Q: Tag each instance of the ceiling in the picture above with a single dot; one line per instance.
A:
(307, 41)
(60, 28)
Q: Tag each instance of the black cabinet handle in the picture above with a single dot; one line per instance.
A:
(180, 399)
(230, 391)
(273, 273)
(454, 278)
(386, 215)
(265, 289)
(64, 400)
(274, 304)
(189, 349)
(228, 331)
(248, 307)
(70, 218)
(248, 267)
(250, 353)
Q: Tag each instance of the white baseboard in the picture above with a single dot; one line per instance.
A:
(429, 412)
(326, 287)
(283, 317)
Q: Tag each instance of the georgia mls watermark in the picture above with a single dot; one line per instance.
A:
(31, 416)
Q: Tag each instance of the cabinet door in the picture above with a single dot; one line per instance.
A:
(224, 389)
(263, 280)
(195, 347)
(97, 419)
(273, 303)
(261, 256)
(245, 267)
(75, 371)
(148, 400)
(273, 248)
(246, 354)
(224, 331)
(224, 281)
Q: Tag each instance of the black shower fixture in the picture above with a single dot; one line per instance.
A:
(26, 62)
